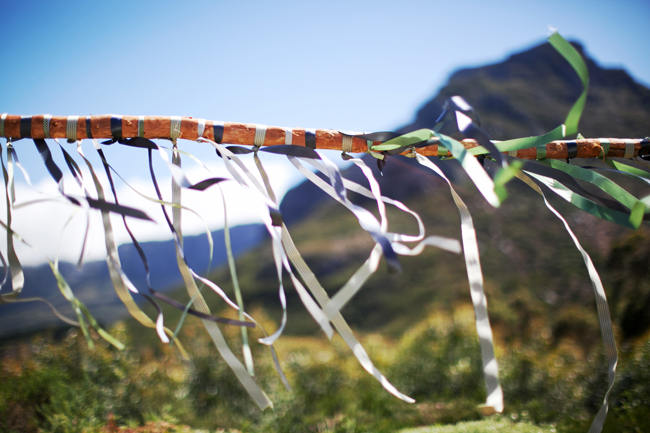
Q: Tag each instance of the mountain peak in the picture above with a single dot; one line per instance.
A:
(532, 90)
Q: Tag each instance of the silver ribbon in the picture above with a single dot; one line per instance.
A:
(175, 127)
(475, 276)
(46, 125)
(71, 127)
(260, 134)
(140, 126)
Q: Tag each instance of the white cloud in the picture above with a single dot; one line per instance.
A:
(56, 227)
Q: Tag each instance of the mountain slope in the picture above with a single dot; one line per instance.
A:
(531, 266)
(530, 92)
(527, 94)
(92, 285)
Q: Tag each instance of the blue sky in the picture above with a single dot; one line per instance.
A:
(364, 65)
(339, 64)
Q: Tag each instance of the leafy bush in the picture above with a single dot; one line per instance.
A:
(630, 411)
(65, 387)
(441, 361)
(62, 386)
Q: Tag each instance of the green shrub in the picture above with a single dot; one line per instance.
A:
(440, 363)
(630, 409)
(65, 387)
(62, 386)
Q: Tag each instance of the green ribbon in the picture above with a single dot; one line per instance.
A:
(636, 206)
(570, 125)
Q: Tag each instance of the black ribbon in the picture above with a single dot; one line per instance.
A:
(207, 183)
(237, 150)
(116, 127)
(310, 140)
(89, 133)
(572, 149)
(25, 126)
(644, 152)
(150, 146)
(375, 136)
(292, 150)
(218, 133)
(72, 165)
(44, 150)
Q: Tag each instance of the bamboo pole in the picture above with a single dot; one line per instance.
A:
(116, 126)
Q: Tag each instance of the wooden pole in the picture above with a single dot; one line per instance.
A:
(166, 127)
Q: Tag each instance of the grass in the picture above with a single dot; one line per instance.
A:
(497, 424)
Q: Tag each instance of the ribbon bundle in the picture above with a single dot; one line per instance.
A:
(541, 162)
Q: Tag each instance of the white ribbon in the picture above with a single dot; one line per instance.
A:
(475, 276)
(602, 308)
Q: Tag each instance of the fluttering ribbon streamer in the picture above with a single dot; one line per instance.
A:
(602, 308)
(494, 399)
(189, 279)
(542, 162)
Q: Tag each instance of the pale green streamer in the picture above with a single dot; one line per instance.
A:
(179, 176)
(184, 315)
(626, 168)
(256, 393)
(361, 275)
(242, 175)
(570, 125)
(583, 203)
(637, 208)
(465, 157)
(320, 294)
(475, 276)
(248, 356)
(56, 312)
(601, 305)
(18, 278)
(82, 311)
(120, 281)
(12, 297)
(355, 282)
(472, 167)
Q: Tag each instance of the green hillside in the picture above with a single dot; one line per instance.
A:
(527, 256)
(540, 299)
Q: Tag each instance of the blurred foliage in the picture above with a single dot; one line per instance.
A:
(418, 327)
(494, 424)
(541, 307)
(59, 385)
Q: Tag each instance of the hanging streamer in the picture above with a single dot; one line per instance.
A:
(602, 308)
(494, 398)
(256, 393)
